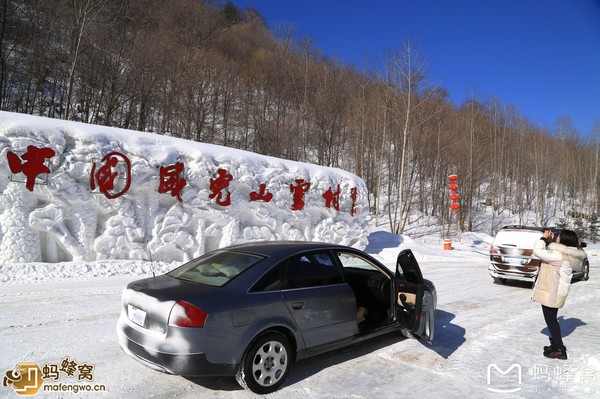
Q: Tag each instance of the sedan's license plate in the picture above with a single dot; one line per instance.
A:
(138, 316)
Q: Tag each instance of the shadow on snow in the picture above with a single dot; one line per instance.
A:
(567, 326)
(448, 338)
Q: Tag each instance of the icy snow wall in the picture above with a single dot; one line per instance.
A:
(77, 192)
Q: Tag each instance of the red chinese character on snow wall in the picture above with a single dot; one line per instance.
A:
(262, 195)
(353, 195)
(298, 190)
(218, 185)
(107, 173)
(332, 197)
(171, 180)
(34, 163)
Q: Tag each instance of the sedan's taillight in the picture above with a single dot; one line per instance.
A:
(185, 314)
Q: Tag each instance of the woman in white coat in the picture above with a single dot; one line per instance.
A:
(553, 281)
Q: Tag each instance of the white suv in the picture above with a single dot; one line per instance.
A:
(511, 255)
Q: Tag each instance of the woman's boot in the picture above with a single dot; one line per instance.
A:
(548, 348)
(559, 352)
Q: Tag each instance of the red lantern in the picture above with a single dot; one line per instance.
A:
(454, 196)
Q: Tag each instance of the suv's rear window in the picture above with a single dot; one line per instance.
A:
(215, 268)
(517, 238)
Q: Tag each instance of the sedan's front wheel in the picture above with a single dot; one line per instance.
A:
(586, 272)
(266, 364)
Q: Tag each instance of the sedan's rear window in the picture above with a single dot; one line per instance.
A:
(215, 268)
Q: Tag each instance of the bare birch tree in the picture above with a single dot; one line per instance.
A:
(406, 71)
(84, 12)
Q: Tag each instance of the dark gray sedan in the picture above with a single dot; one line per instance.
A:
(251, 310)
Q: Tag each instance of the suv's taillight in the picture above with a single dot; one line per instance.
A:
(185, 314)
(493, 251)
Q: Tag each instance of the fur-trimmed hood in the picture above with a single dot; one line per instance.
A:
(573, 254)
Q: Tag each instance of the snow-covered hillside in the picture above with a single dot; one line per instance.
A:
(77, 192)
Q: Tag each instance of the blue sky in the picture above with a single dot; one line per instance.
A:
(542, 56)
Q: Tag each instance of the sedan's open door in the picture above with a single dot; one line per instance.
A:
(414, 302)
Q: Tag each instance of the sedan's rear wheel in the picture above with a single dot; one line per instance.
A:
(266, 364)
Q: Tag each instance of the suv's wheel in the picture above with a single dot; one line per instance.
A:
(266, 364)
(498, 280)
(586, 272)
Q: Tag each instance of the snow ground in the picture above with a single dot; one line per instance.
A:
(56, 311)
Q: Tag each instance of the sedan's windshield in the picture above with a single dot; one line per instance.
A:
(216, 268)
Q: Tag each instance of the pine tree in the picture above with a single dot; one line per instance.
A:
(593, 228)
(562, 223)
(579, 228)
(232, 12)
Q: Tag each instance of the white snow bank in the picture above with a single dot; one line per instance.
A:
(382, 245)
(76, 192)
